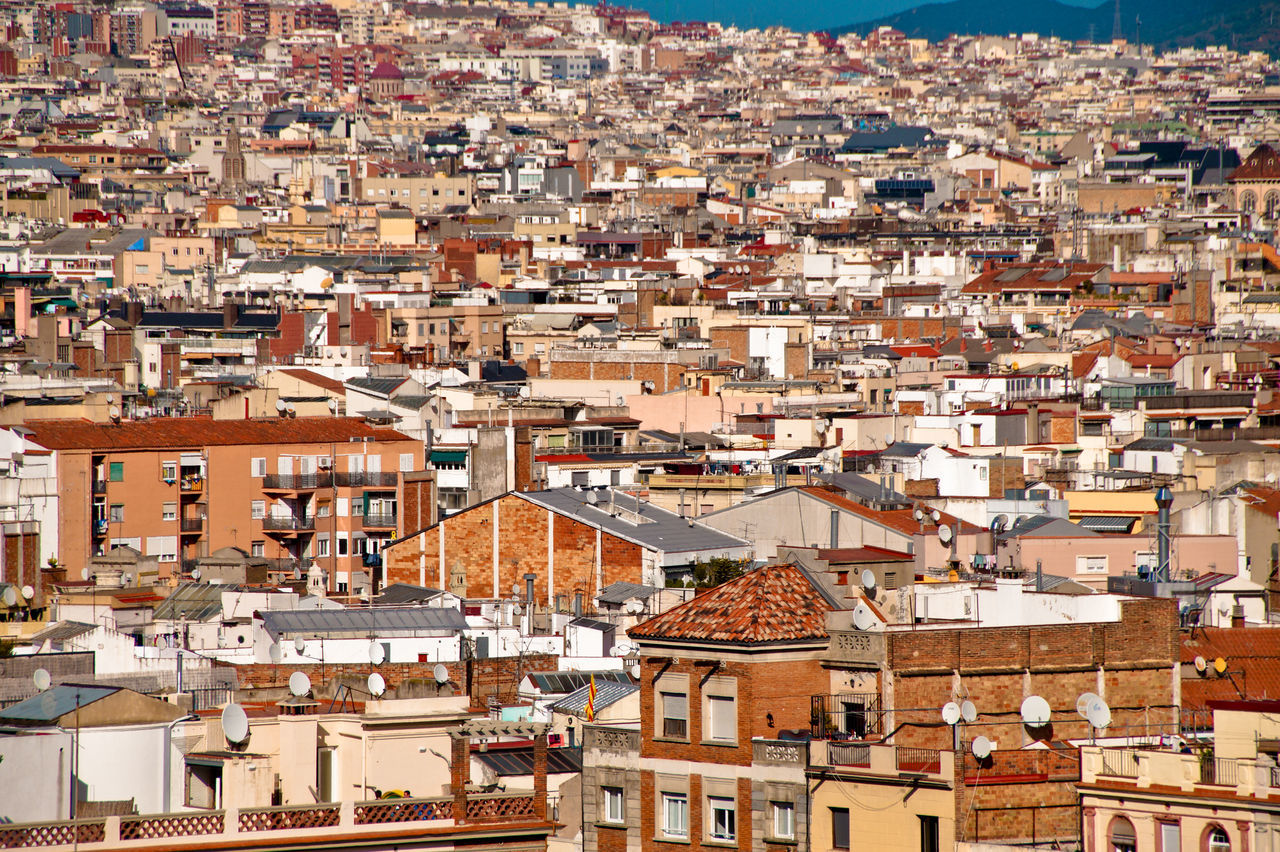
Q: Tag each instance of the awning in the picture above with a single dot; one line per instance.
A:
(448, 456)
(1109, 523)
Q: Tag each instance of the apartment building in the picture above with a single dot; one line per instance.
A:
(448, 331)
(421, 193)
(326, 490)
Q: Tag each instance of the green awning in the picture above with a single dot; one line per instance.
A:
(448, 456)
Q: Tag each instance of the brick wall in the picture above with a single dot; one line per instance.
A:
(1015, 796)
(664, 375)
(523, 531)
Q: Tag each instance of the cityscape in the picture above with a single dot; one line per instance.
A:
(503, 426)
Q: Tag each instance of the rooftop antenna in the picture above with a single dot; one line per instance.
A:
(968, 711)
(41, 679)
(863, 619)
(868, 581)
(1098, 714)
(981, 747)
(377, 653)
(1035, 711)
(441, 673)
(299, 684)
(377, 686)
(274, 653)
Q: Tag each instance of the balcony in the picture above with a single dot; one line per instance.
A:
(192, 525)
(296, 481)
(99, 487)
(191, 483)
(380, 520)
(365, 480)
(371, 824)
(885, 760)
(1245, 776)
(275, 523)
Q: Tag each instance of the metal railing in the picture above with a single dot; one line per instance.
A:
(847, 754)
(1219, 771)
(380, 519)
(192, 524)
(918, 759)
(846, 716)
(1120, 762)
(272, 523)
(296, 481)
(365, 480)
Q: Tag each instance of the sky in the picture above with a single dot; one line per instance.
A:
(797, 15)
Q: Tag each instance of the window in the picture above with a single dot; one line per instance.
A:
(116, 472)
(257, 468)
(322, 545)
(322, 508)
(720, 712)
(258, 548)
(675, 715)
(1121, 836)
(342, 545)
(258, 509)
(169, 512)
(724, 823)
(1170, 837)
(611, 801)
(1217, 840)
(928, 833)
(169, 471)
(783, 819)
(675, 814)
(1091, 564)
(117, 513)
(839, 828)
(406, 462)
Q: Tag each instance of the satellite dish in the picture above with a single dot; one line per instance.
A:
(1099, 714)
(592, 498)
(299, 684)
(981, 747)
(968, 711)
(377, 653)
(195, 574)
(635, 670)
(615, 651)
(868, 579)
(441, 673)
(936, 516)
(1220, 665)
(333, 406)
(114, 412)
(999, 523)
(634, 607)
(299, 644)
(863, 618)
(42, 679)
(84, 573)
(377, 685)
(28, 592)
(235, 724)
(280, 405)
(274, 653)
(945, 535)
(1084, 702)
(10, 596)
(951, 713)
(918, 514)
(1201, 664)
(1035, 711)
(297, 573)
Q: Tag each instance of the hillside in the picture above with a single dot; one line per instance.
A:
(1165, 23)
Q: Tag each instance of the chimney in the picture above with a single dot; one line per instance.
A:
(133, 313)
(577, 604)
(230, 315)
(528, 587)
(1164, 499)
(1237, 615)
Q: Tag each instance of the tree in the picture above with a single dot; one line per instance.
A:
(716, 571)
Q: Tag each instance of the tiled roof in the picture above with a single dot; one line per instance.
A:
(1262, 164)
(776, 603)
(180, 432)
(901, 520)
(1253, 664)
(313, 378)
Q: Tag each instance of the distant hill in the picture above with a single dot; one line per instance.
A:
(1167, 24)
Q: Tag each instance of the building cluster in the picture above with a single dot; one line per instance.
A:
(535, 426)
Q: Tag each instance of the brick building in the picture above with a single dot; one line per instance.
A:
(573, 542)
(322, 489)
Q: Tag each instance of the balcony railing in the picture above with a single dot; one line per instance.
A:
(1120, 762)
(308, 823)
(296, 481)
(192, 525)
(919, 760)
(272, 523)
(846, 716)
(380, 520)
(849, 755)
(192, 482)
(1220, 771)
(363, 480)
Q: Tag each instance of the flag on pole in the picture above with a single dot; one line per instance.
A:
(591, 700)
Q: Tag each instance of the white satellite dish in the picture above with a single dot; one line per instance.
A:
(592, 498)
(42, 679)
(28, 592)
(10, 596)
(377, 653)
(299, 644)
(441, 672)
(981, 747)
(195, 574)
(114, 412)
(1083, 703)
(281, 405)
(951, 713)
(868, 580)
(968, 711)
(634, 607)
(945, 535)
(299, 684)
(377, 685)
(615, 651)
(1201, 664)
(936, 516)
(918, 515)
(863, 619)
(1099, 714)
(274, 653)
(235, 724)
(333, 406)
(635, 671)
(1035, 711)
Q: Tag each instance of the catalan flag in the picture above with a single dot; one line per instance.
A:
(591, 700)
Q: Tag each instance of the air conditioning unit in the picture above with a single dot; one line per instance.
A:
(325, 463)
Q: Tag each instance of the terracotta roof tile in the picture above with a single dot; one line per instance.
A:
(776, 603)
(1253, 664)
(174, 432)
(313, 378)
(901, 520)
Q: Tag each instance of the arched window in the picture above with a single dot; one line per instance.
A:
(1216, 839)
(1121, 836)
(1271, 203)
(1248, 202)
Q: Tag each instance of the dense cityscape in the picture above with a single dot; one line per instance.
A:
(534, 427)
